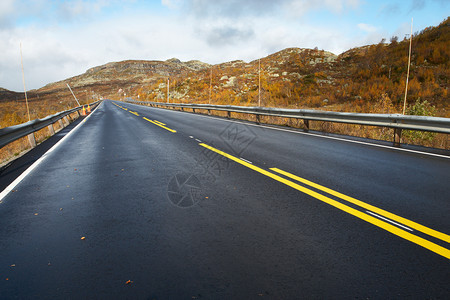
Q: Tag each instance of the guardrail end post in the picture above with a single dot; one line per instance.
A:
(397, 136)
(32, 140)
(306, 122)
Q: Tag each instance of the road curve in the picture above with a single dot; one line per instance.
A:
(147, 203)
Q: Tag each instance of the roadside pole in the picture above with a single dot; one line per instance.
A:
(409, 63)
(31, 137)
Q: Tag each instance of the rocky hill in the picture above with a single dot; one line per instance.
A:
(125, 75)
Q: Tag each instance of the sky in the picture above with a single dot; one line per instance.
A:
(64, 38)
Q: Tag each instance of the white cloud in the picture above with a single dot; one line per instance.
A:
(52, 54)
(301, 7)
(367, 27)
(238, 8)
(6, 10)
(172, 4)
(80, 8)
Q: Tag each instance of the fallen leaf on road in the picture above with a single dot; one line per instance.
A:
(128, 282)
(13, 265)
(83, 237)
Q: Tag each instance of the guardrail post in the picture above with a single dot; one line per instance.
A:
(61, 123)
(32, 140)
(51, 129)
(258, 119)
(228, 114)
(306, 122)
(66, 120)
(209, 112)
(193, 110)
(397, 136)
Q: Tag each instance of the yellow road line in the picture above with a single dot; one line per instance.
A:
(363, 216)
(134, 113)
(162, 126)
(382, 212)
(159, 122)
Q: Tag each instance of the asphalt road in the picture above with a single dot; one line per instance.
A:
(145, 203)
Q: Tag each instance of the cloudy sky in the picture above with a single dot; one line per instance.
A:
(63, 38)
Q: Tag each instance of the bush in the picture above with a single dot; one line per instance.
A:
(420, 109)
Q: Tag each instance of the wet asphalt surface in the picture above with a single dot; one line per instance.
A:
(126, 209)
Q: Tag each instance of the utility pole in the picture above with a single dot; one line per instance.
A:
(73, 94)
(23, 79)
(210, 84)
(168, 90)
(31, 137)
(259, 82)
(409, 63)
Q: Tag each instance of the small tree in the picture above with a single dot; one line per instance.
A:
(420, 109)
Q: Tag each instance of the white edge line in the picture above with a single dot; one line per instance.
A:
(311, 134)
(13, 184)
(198, 140)
(390, 221)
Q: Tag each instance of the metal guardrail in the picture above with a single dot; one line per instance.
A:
(12, 133)
(397, 121)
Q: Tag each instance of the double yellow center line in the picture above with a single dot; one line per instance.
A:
(385, 220)
(157, 123)
(357, 213)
